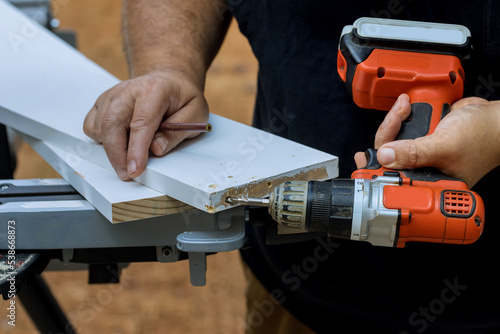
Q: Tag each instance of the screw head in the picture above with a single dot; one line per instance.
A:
(166, 251)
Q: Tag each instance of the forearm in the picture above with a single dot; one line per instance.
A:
(172, 35)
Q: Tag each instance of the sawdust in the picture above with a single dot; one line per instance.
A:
(210, 208)
(262, 188)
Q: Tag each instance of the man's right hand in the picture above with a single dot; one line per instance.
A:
(127, 117)
(169, 46)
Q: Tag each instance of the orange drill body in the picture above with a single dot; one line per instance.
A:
(428, 78)
(432, 207)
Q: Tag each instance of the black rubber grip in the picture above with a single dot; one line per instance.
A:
(418, 123)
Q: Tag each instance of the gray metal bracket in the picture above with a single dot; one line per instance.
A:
(225, 240)
(198, 243)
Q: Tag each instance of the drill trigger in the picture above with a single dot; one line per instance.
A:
(371, 157)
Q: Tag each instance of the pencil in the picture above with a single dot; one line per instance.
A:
(202, 127)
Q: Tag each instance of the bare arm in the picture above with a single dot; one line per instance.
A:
(182, 35)
(170, 45)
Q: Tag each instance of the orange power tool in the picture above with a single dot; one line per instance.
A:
(378, 60)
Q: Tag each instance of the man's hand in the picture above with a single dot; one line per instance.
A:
(465, 144)
(169, 46)
(126, 118)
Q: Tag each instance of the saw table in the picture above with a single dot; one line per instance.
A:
(46, 219)
(48, 215)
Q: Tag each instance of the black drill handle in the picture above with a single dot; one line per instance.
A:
(420, 122)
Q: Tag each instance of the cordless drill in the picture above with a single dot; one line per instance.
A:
(378, 60)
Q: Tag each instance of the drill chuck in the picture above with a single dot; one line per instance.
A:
(315, 206)
(288, 204)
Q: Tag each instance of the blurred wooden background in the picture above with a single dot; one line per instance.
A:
(153, 297)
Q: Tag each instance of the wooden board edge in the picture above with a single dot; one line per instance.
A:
(147, 208)
(262, 188)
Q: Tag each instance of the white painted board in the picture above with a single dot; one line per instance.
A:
(47, 88)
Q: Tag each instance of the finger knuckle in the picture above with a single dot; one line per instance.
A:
(379, 139)
(150, 82)
(412, 156)
(109, 120)
(89, 130)
(474, 100)
(140, 122)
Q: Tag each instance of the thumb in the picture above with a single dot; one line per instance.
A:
(409, 154)
(166, 140)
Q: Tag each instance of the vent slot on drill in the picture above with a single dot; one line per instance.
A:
(457, 203)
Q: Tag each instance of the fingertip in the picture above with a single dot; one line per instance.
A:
(131, 167)
(137, 161)
(404, 97)
(135, 168)
(386, 156)
(405, 102)
(122, 174)
(360, 160)
(115, 147)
